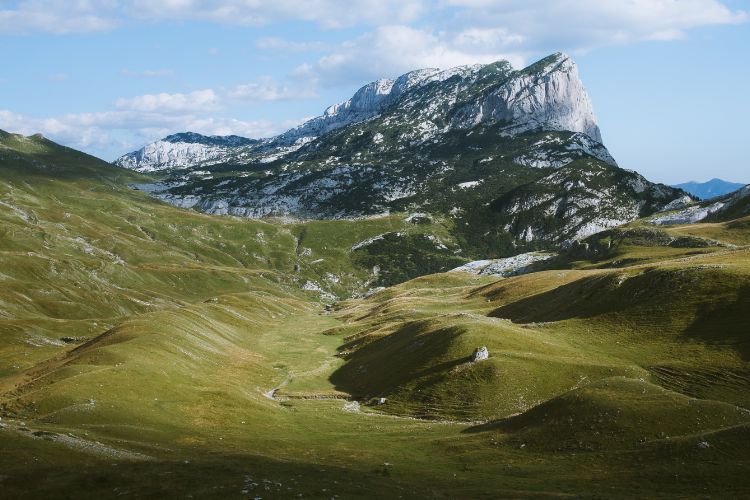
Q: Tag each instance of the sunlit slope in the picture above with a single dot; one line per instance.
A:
(179, 401)
(615, 413)
(189, 384)
(680, 324)
(80, 251)
(176, 371)
(640, 242)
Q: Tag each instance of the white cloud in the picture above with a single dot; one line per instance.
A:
(86, 16)
(210, 100)
(112, 133)
(392, 50)
(193, 102)
(267, 89)
(57, 16)
(148, 73)
(283, 45)
(326, 13)
(578, 25)
(75, 130)
(480, 31)
(140, 119)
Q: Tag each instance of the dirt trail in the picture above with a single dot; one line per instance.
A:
(322, 368)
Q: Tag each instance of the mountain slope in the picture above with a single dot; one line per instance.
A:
(455, 143)
(154, 352)
(80, 250)
(185, 150)
(721, 208)
(545, 96)
(709, 189)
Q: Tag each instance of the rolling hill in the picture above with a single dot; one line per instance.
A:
(149, 350)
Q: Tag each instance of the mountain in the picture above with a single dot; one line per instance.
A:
(558, 103)
(185, 150)
(709, 189)
(513, 157)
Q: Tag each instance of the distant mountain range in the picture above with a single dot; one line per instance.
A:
(709, 189)
(514, 158)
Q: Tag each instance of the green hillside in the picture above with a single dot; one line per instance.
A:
(151, 351)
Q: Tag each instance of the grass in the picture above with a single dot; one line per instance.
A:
(80, 251)
(603, 380)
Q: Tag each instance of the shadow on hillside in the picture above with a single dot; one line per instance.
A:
(216, 476)
(702, 305)
(583, 298)
(412, 352)
(724, 324)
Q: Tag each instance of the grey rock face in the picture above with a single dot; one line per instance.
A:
(185, 150)
(548, 95)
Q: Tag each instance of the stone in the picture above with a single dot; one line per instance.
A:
(480, 354)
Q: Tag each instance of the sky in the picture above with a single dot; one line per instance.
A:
(669, 79)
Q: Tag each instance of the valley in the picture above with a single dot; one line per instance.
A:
(154, 351)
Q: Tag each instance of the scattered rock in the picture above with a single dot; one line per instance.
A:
(386, 469)
(74, 340)
(351, 407)
(703, 445)
(480, 354)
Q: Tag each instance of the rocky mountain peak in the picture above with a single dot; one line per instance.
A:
(547, 95)
(183, 150)
(513, 157)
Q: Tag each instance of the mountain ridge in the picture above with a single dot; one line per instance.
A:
(374, 97)
(450, 142)
(709, 189)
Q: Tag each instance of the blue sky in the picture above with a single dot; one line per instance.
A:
(668, 78)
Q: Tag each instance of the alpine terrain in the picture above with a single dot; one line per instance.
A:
(444, 287)
(513, 157)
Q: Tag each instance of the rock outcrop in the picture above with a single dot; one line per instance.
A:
(480, 354)
(185, 150)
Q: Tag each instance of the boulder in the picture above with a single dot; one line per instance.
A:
(480, 354)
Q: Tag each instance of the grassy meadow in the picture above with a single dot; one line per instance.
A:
(150, 351)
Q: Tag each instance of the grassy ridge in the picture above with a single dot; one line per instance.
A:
(676, 324)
